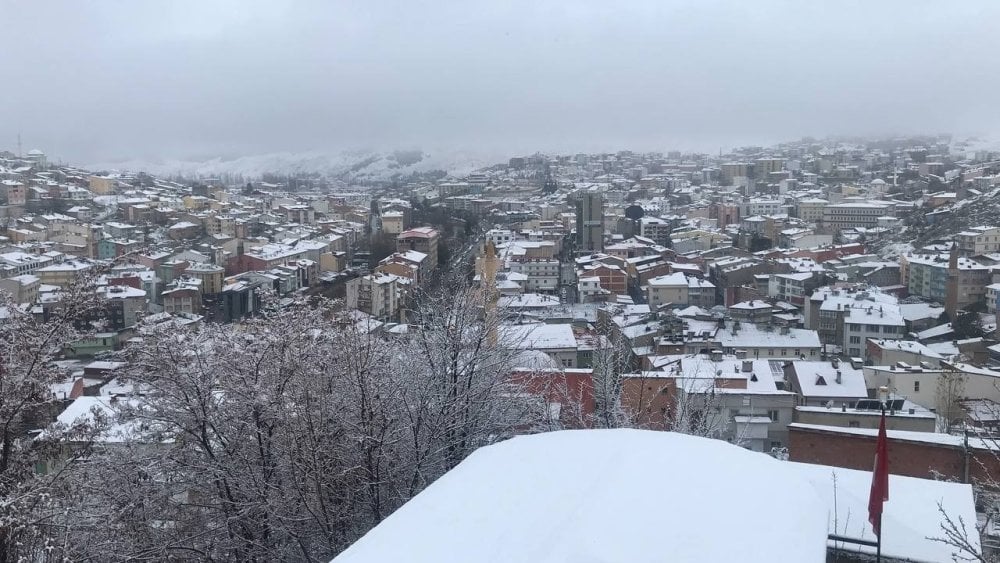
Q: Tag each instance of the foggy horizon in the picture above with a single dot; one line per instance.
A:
(103, 81)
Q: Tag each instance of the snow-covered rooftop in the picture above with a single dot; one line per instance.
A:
(539, 336)
(578, 496)
(909, 519)
(819, 379)
(750, 336)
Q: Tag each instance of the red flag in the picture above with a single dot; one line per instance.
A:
(880, 480)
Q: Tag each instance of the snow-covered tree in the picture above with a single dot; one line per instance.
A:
(286, 437)
(29, 344)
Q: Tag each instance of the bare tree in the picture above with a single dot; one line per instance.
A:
(29, 343)
(948, 395)
(288, 436)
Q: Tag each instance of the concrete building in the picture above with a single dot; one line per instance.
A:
(912, 417)
(64, 273)
(826, 383)
(557, 341)
(764, 343)
(851, 215)
(880, 322)
(125, 305)
(183, 299)
(22, 289)
(810, 209)
(670, 289)
(927, 275)
(18, 263)
(979, 240)
(541, 274)
(421, 239)
(381, 295)
(655, 229)
(211, 276)
(590, 222)
(793, 287)
(680, 289)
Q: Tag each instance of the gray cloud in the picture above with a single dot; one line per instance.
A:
(103, 79)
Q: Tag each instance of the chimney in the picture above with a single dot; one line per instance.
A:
(747, 366)
(839, 378)
(835, 363)
(716, 355)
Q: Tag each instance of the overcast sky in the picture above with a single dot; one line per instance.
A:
(100, 80)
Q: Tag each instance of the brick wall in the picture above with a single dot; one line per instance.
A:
(912, 459)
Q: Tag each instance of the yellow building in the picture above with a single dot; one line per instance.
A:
(211, 276)
(101, 185)
(62, 274)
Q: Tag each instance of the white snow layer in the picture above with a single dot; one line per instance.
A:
(601, 496)
(909, 518)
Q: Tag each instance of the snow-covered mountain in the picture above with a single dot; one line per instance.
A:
(373, 165)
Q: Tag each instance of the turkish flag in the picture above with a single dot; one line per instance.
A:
(880, 480)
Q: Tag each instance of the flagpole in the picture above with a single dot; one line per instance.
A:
(878, 536)
(878, 543)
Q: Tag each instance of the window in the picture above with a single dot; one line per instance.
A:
(916, 386)
(775, 444)
(855, 340)
(773, 415)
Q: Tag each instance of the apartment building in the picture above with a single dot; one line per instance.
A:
(879, 322)
(421, 239)
(852, 215)
(979, 240)
(381, 295)
(927, 276)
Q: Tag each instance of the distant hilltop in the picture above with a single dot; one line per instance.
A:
(373, 165)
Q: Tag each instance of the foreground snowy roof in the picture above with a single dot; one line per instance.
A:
(910, 518)
(587, 495)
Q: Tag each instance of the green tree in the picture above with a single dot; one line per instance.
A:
(967, 325)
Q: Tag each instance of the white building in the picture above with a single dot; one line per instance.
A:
(871, 321)
(762, 343)
(979, 240)
(555, 340)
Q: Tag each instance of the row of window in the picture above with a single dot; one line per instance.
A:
(771, 413)
(887, 329)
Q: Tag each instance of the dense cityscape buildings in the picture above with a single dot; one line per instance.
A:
(771, 298)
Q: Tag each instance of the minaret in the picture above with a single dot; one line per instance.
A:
(375, 218)
(488, 277)
(488, 280)
(951, 289)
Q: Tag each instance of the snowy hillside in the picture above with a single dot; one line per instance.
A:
(372, 165)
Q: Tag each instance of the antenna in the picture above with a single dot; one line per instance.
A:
(19, 155)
